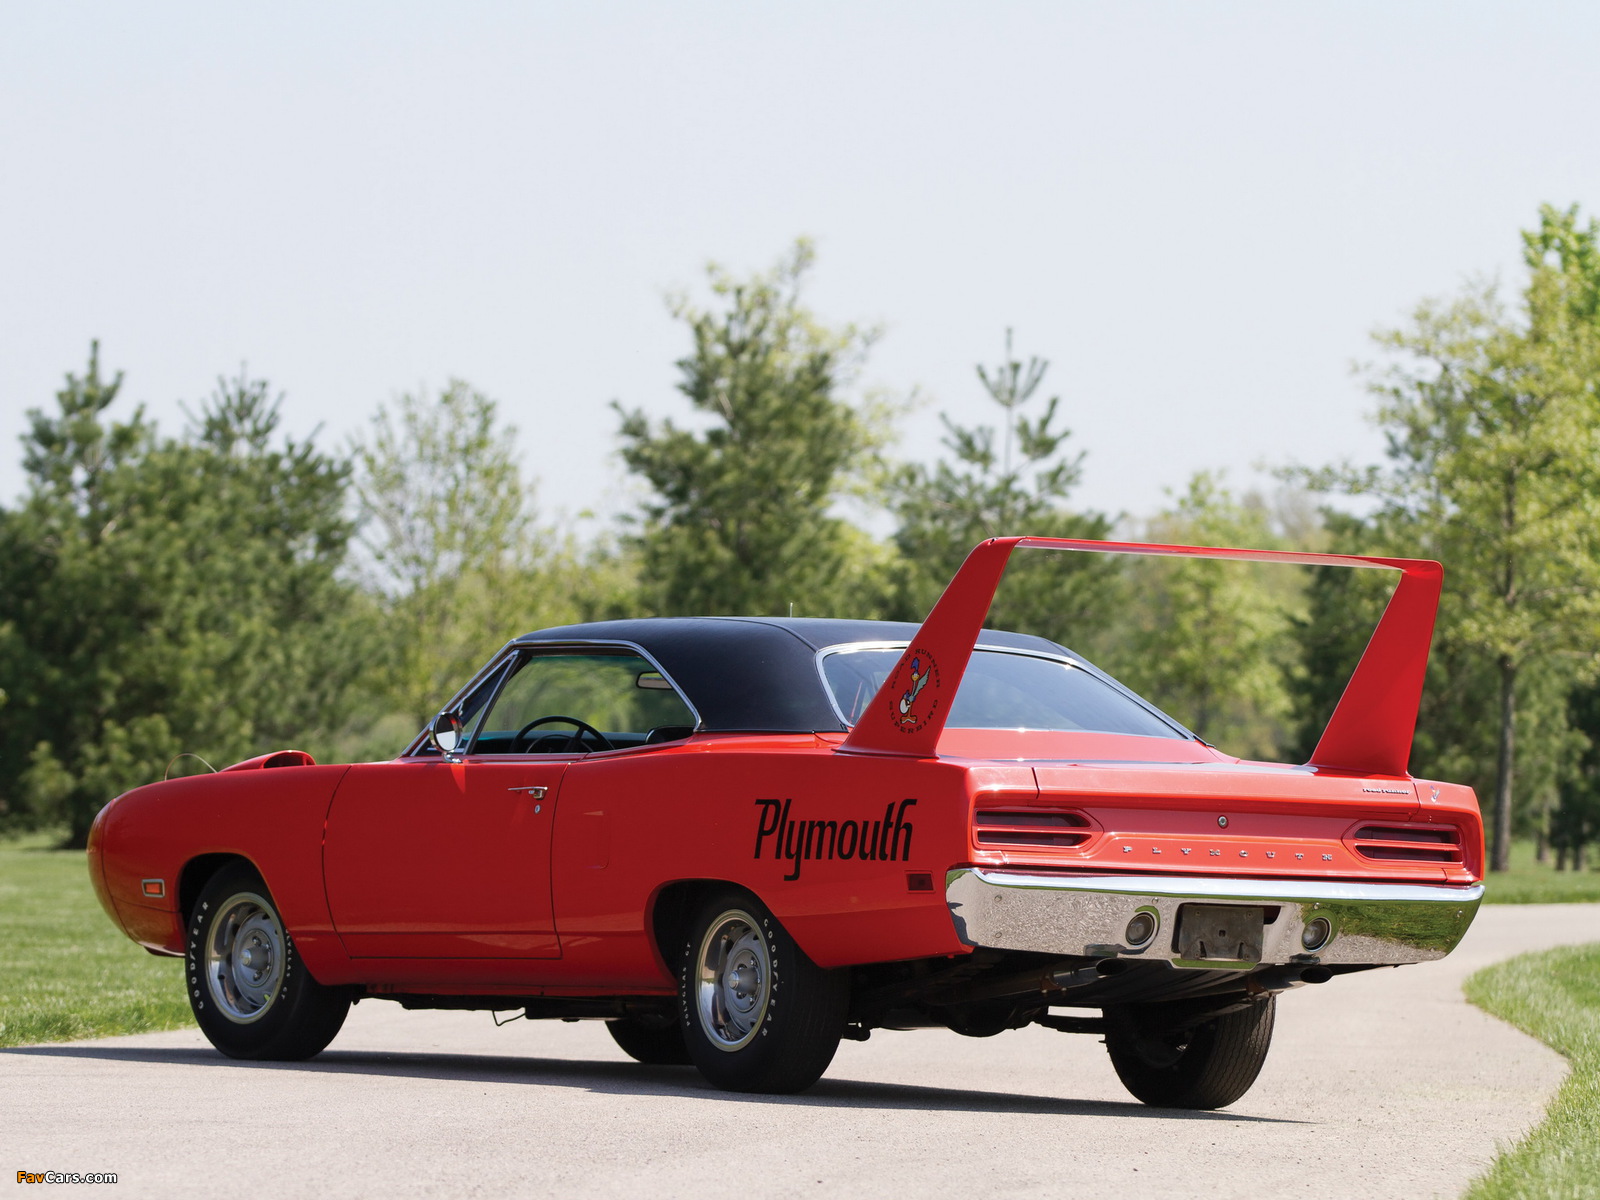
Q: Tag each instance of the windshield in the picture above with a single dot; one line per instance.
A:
(1003, 691)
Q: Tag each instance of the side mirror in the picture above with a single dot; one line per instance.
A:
(445, 735)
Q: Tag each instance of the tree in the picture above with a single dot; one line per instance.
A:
(1210, 641)
(54, 642)
(1454, 737)
(457, 559)
(442, 491)
(1019, 487)
(1575, 825)
(1494, 448)
(741, 514)
(168, 594)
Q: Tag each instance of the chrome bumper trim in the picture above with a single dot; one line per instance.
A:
(1088, 915)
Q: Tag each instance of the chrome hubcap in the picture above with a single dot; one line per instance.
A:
(244, 957)
(733, 980)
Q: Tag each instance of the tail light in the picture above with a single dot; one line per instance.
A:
(1031, 827)
(1409, 843)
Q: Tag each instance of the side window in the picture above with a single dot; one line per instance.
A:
(566, 702)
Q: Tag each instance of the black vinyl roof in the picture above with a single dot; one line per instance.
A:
(754, 673)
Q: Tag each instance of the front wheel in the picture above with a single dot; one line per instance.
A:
(1208, 1066)
(250, 993)
(758, 1015)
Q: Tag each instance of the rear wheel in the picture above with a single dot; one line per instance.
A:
(758, 1015)
(655, 1041)
(1208, 1066)
(250, 994)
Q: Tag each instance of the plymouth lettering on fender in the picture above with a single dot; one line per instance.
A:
(800, 841)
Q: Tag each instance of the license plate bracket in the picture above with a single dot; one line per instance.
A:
(1221, 932)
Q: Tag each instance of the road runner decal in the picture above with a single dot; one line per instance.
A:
(916, 680)
(800, 841)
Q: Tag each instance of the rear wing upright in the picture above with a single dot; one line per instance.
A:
(1369, 733)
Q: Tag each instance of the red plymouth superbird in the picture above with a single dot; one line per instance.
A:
(739, 840)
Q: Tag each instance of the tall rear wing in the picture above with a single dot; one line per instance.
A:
(1369, 733)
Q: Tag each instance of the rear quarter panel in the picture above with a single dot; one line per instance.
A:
(741, 810)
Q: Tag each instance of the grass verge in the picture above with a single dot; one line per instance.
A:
(1529, 882)
(1553, 995)
(66, 972)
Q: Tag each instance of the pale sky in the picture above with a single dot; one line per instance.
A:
(1197, 212)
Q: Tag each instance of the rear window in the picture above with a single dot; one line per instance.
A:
(1003, 691)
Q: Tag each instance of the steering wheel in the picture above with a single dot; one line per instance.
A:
(575, 742)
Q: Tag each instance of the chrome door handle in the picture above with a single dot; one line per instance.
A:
(533, 790)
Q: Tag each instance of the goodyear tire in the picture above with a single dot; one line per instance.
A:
(757, 1014)
(250, 993)
(654, 1041)
(1209, 1066)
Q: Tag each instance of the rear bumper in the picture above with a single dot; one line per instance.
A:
(1088, 915)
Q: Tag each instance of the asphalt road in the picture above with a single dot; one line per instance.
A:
(1383, 1084)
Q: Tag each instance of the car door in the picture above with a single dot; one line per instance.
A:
(431, 858)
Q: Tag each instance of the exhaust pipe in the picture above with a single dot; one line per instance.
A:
(1281, 979)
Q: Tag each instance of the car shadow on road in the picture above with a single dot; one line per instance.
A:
(634, 1079)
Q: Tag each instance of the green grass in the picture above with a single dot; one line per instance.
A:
(1554, 996)
(1529, 883)
(66, 972)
